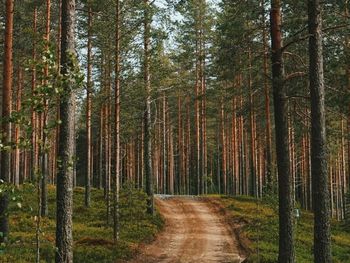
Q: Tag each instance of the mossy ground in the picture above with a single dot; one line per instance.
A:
(93, 237)
(261, 227)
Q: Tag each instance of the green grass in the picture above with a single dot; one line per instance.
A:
(261, 227)
(93, 238)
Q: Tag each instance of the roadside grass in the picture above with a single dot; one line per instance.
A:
(260, 225)
(93, 237)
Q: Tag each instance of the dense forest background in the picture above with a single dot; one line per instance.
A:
(174, 97)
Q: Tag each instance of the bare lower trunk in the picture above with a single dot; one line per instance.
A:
(88, 113)
(64, 231)
(147, 115)
(6, 114)
(286, 240)
(116, 184)
(322, 239)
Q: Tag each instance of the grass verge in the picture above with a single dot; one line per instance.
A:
(93, 237)
(259, 223)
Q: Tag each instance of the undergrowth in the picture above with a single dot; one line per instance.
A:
(260, 225)
(93, 238)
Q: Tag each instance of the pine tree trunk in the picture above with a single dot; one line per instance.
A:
(180, 146)
(6, 114)
(188, 146)
(286, 240)
(165, 168)
(252, 173)
(43, 152)
(147, 117)
(17, 163)
(117, 127)
(269, 176)
(101, 141)
(223, 149)
(322, 239)
(64, 235)
(107, 144)
(88, 112)
(34, 161)
(57, 135)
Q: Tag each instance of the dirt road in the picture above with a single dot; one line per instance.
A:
(195, 233)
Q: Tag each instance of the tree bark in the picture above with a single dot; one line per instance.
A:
(147, 115)
(88, 112)
(319, 173)
(117, 127)
(17, 163)
(64, 235)
(286, 240)
(6, 114)
(269, 176)
(43, 151)
(34, 160)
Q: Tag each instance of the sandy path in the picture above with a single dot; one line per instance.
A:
(194, 232)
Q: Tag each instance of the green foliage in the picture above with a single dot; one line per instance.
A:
(93, 238)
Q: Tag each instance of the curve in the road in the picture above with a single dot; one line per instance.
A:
(194, 233)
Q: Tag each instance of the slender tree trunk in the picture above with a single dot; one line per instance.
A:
(33, 114)
(6, 114)
(286, 240)
(88, 112)
(57, 135)
(269, 177)
(17, 165)
(147, 119)
(117, 127)
(343, 168)
(165, 168)
(43, 151)
(64, 233)
(223, 148)
(180, 146)
(252, 174)
(188, 146)
(322, 239)
(107, 142)
(100, 166)
(197, 113)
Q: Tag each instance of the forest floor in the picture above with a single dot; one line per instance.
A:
(195, 232)
(93, 236)
(197, 229)
(255, 223)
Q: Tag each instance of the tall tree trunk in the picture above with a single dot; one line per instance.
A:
(165, 168)
(343, 167)
(188, 146)
(6, 114)
(43, 152)
(56, 138)
(34, 160)
(147, 117)
(17, 165)
(107, 139)
(286, 240)
(269, 178)
(100, 156)
(223, 148)
(322, 239)
(117, 127)
(64, 235)
(252, 172)
(88, 112)
(180, 146)
(197, 131)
